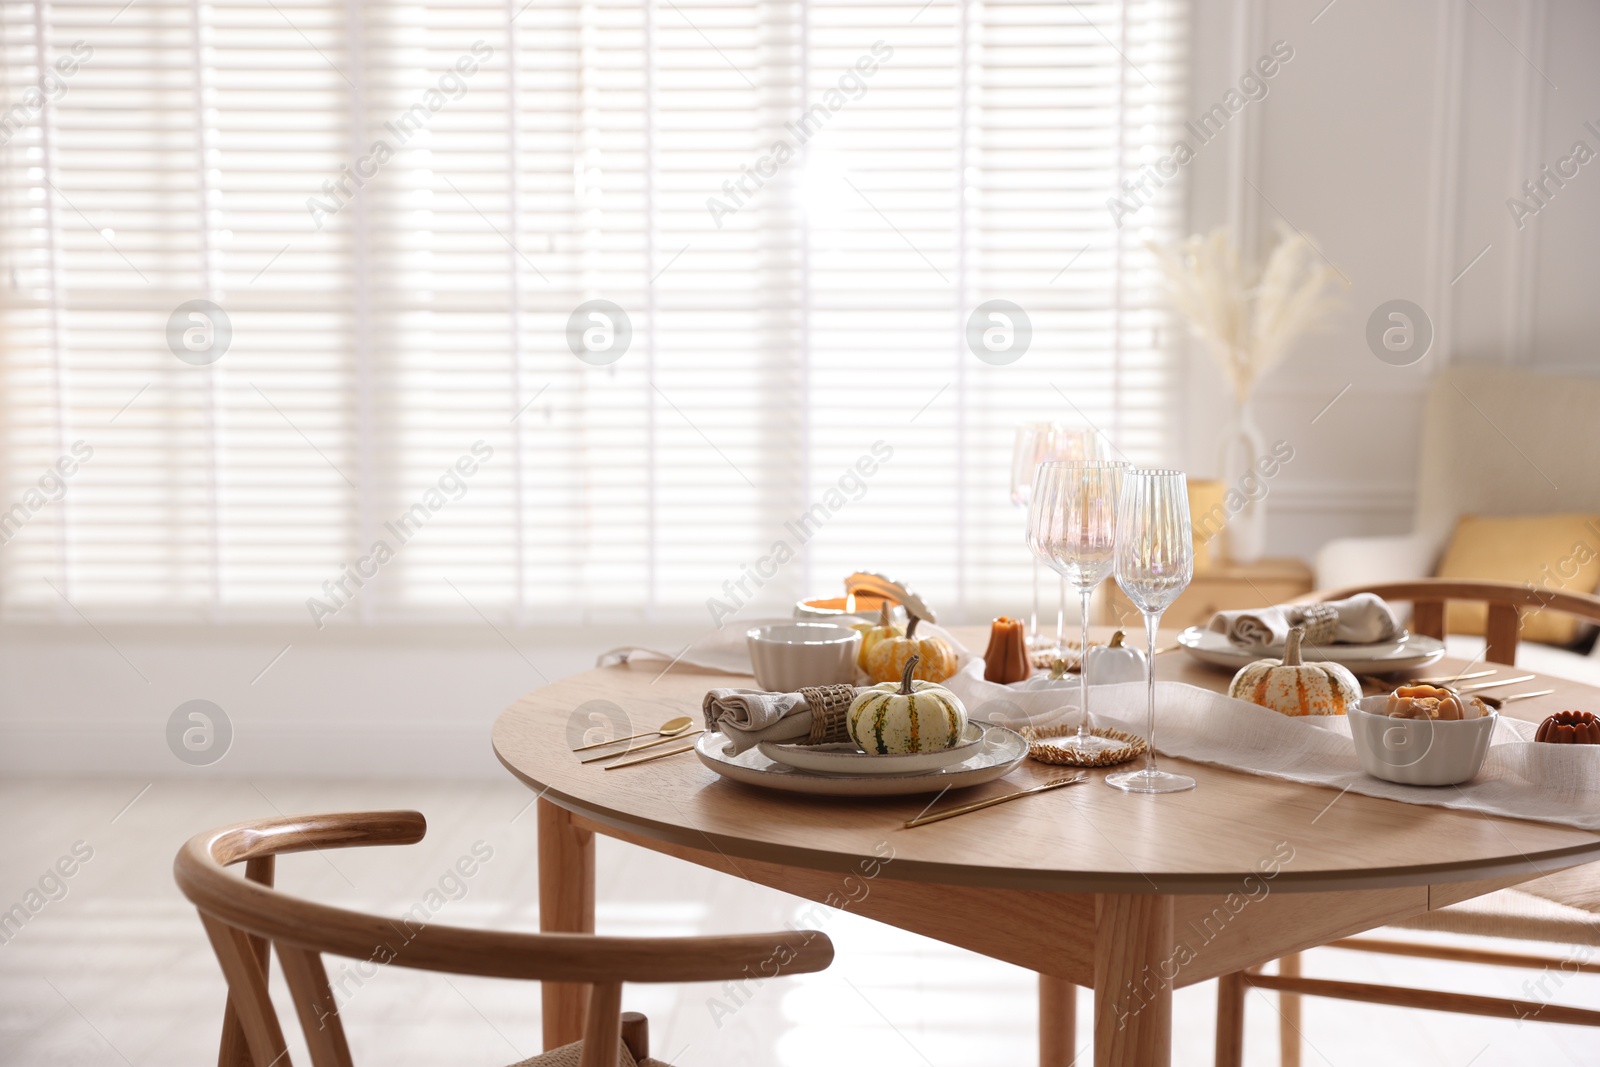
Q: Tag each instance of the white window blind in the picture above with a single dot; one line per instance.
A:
(398, 207)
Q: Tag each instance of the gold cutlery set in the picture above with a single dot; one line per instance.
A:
(669, 731)
(1452, 679)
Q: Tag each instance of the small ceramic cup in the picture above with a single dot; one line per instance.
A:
(788, 655)
(1418, 751)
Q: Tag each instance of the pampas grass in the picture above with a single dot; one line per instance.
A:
(1248, 320)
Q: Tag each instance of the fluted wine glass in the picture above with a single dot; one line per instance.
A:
(1154, 562)
(1072, 526)
(1045, 442)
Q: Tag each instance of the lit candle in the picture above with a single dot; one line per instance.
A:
(864, 604)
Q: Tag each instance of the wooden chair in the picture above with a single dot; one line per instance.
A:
(1563, 908)
(244, 916)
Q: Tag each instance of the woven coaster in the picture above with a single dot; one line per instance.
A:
(830, 706)
(1321, 622)
(1044, 753)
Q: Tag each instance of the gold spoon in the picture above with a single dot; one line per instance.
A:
(1498, 702)
(670, 728)
(631, 749)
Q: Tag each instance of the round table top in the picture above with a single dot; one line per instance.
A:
(1086, 838)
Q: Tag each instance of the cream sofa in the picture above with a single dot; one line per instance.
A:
(1495, 441)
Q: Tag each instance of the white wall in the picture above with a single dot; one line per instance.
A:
(1394, 136)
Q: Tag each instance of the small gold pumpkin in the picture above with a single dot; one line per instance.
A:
(1293, 687)
(874, 632)
(889, 656)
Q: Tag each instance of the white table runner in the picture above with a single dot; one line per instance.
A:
(1520, 779)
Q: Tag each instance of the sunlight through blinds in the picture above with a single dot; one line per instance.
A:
(561, 313)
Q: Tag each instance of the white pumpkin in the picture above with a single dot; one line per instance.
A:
(1292, 687)
(1112, 663)
(1056, 678)
(894, 718)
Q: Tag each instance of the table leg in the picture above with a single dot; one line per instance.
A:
(566, 906)
(1058, 1022)
(1289, 1012)
(1230, 1020)
(1133, 972)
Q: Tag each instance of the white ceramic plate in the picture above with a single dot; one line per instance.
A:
(1405, 653)
(995, 755)
(846, 758)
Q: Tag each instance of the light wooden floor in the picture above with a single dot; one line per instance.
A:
(117, 971)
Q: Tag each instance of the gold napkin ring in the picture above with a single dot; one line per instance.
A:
(830, 707)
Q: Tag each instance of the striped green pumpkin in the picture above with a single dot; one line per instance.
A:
(894, 718)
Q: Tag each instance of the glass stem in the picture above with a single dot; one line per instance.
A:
(1083, 664)
(1151, 623)
(1061, 622)
(1033, 620)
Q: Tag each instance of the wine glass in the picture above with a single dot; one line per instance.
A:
(1072, 525)
(1154, 562)
(1036, 443)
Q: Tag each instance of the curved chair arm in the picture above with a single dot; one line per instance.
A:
(413, 942)
(1506, 602)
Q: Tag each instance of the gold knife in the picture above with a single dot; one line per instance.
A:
(652, 756)
(1057, 783)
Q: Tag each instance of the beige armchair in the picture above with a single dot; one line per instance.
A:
(1495, 441)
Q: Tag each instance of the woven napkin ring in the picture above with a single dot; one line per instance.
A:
(1321, 622)
(830, 706)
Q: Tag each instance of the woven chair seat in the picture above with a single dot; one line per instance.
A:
(1512, 913)
(568, 1056)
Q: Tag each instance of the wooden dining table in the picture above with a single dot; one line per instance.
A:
(1131, 895)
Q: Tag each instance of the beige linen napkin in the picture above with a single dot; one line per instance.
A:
(1360, 619)
(748, 717)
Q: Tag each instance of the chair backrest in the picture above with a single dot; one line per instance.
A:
(1506, 603)
(1505, 441)
(243, 916)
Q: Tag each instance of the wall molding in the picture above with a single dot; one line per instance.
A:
(1521, 277)
(1341, 496)
(1449, 101)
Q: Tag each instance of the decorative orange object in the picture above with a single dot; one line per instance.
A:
(1006, 659)
(1570, 728)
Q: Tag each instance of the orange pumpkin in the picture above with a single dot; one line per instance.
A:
(889, 657)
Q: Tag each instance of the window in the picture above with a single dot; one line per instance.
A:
(409, 406)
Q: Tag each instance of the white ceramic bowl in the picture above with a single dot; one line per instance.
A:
(788, 655)
(1418, 751)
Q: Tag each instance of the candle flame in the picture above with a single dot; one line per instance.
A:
(850, 604)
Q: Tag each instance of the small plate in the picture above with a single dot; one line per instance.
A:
(1405, 653)
(996, 756)
(846, 758)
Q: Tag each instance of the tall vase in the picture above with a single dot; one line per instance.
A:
(1244, 537)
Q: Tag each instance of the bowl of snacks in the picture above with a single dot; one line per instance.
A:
(1422, 735)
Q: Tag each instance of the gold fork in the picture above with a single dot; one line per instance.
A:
(1054, 783)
